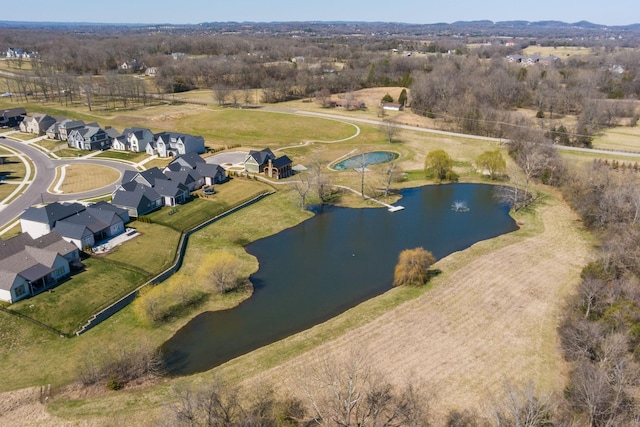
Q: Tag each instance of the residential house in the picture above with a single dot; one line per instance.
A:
(66, 126)
(151, 71)
(172, 192)
(171, 144)
(38, 221)
(133, 139)
(279, 168)
(264, 161)
(89, 137)
(37, 123)
(138, 199)
(203, 173)
(12, 117)
(257, 160)
(53, 131)
(29, 266)
(90, 226)
(83, 226)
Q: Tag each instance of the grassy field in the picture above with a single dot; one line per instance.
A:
(491, 316)
(121, 155)
(619, 138)
(560, 51)
(68, 306)
(82, 177)
(198, 210)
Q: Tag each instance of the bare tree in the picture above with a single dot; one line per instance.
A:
(392, 172)
(302, 186)
(390, 129)
(522, 407)
(320, 179)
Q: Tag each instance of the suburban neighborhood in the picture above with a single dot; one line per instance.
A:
(88, 226)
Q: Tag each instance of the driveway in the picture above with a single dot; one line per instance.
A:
(227, 160)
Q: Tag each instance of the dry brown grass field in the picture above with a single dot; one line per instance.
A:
(559, 51)
(490, 318)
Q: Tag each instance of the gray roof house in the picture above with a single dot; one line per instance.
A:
(83, 226)
(133, 139)
(39, 221)
(138, 199)
(173, 192)
(37, 123)
(29, 266)
(205, 173)
(66, 126)
(12, 117)
(257, 160)
(171, 144)
(89, 137)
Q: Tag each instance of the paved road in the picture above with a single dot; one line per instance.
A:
(45, 172)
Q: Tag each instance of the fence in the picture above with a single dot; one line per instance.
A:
(182, 246)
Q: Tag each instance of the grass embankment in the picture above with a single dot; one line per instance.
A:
(109, 277)
(622, 138)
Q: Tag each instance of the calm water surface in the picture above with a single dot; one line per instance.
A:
(373, 158)
(332, 262)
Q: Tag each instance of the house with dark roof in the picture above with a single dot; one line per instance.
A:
(38, 221)
(172, 192)
(198, 169)
(264, 161)
(279, 168)
(89, 137)
(66, 126)
(133, 139)
(29, 266)
(172, 144)
(37, 123)
(136, 198)
(83, 226)
(12, 117)
(257, 160)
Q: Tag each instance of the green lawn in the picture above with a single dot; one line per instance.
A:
(69, 305)
(122, 155)
(622, 138)
(197, 211)
(228, 126)
(153, 250)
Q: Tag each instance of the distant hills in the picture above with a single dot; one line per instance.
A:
(480, 27)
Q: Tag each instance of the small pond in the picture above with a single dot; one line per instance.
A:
(372, 158)
(332, 262)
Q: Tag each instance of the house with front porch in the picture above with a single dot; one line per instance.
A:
(29, 266)
(197, 168)
(89, 137)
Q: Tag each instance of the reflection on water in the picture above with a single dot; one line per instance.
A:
(331, 262)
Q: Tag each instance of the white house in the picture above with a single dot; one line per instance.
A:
(172, 144)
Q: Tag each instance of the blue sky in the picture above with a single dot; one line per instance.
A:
(614, 12)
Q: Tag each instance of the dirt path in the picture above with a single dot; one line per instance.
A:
(491, 321)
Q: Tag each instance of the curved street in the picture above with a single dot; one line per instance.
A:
(36, 191)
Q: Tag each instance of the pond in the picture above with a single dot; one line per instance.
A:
(372, 158)
(332, 262)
